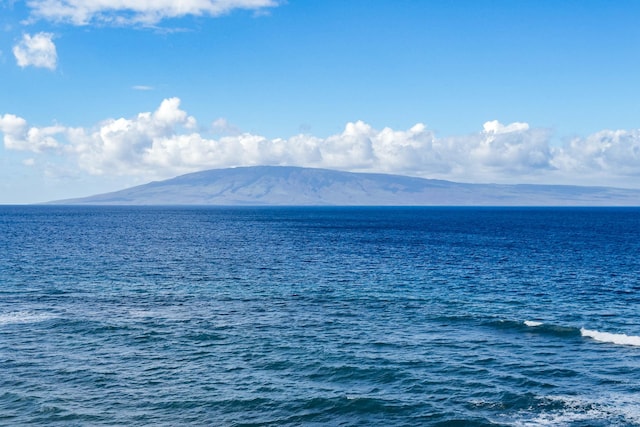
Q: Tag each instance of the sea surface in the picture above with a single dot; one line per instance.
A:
(163, 316)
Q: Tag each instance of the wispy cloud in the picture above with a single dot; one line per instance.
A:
(36, 51)
(142, 87)
(136, 12)
(166, 142)
(221, 126)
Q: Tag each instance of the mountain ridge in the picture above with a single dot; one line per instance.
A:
(290, 185)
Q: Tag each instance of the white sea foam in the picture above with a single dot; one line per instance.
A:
(23, 317)
(620, 339)
(532, 323)
(616, 409)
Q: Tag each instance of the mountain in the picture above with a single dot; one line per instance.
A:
(277, 185)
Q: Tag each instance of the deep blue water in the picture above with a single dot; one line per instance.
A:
(319, 316)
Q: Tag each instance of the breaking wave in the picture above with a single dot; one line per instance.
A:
(605, 337)
(620, 339)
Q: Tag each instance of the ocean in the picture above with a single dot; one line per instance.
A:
(260, 316)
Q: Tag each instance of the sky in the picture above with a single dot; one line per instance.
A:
(96, 96)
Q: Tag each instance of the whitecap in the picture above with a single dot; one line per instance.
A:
(532, 323)
(620, 339)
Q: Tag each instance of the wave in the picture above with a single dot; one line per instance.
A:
(620, 339)
(550, 329)
(605, 337)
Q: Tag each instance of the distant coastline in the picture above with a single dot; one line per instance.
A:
(297, 186)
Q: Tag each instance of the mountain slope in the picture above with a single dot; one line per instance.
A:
(276, 185)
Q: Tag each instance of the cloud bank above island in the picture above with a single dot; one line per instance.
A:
(168, 142)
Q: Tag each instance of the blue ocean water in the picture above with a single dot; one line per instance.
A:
(319, 316)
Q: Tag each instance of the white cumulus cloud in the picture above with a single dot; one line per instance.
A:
(604, 153)
(36, 51)
(18, 136)
(145, 12)
(167, 142)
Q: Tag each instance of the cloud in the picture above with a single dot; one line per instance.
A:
(142, 87)
(166, 142)
(605, 152)
(18, 136)
(222, 126)
(141, 12)
(36, 51)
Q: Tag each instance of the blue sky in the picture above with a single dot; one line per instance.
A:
(95, 99)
